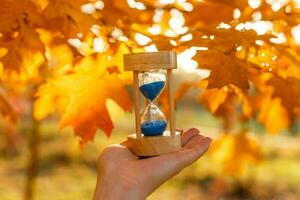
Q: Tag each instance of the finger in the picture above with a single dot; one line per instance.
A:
(179, 130)
(165, 166)
(186, 136)
(125, 143)
(193, 141)
(192, 154)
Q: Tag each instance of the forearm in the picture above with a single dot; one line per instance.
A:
(114, 190)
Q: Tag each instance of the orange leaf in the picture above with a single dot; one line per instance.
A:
(213, 98)
(273, 115)
(235, 152)
(82, 96)
(225, 69)
(180, 91)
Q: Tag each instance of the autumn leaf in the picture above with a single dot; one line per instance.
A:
(213, 98)
(18, 35)
(273, 115)
(207, 8)
(278, 103)
(84, 106)
(66, 16)
(72, 51)
(235, 152)
(288, 90)
(179, 93)
(123, 15)
(224, 69)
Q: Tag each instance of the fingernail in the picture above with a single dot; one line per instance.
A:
(204, 145)
(194, 130)
(207, 140)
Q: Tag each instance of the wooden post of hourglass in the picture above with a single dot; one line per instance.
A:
(137, 104)
(171, 102)
(170, 140)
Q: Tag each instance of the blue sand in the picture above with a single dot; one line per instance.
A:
(153, 128)
(151, 90)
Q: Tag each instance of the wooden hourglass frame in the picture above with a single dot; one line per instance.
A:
(169, 141)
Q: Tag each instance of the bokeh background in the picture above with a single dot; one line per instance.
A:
(67, 172)
(64, 95)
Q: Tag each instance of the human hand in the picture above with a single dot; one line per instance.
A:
(122, 175)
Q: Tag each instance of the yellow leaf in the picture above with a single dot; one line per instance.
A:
(213, 98)
(84, 94)
(235, 152)
(273, 115)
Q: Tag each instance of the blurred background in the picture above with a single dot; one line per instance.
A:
(67, 172)
(64, 95)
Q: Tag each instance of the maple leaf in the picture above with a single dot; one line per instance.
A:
(84, 106)
(60, 63)
(213, 98)
(179, 93)
(235, 152)
(288, 90)
(277, 100)
(230, 102)
(225, 69)
(162, 43)
(10, 12)
(273, 111)
(18, 35)
(67, 17)
(205, 10)
(121, 15)
(251, 76)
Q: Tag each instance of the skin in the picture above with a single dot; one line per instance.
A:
(122, 175)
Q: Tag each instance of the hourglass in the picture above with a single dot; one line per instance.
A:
(149, 79)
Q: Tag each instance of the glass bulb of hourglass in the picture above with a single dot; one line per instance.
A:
(153, 121)
(152, 84)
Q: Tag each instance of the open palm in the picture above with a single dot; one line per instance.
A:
(122, 175)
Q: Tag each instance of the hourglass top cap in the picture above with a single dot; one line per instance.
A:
(149, 61)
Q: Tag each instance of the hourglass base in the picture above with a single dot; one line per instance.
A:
(154, 145)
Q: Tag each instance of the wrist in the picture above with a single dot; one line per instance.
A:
(114, 189)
